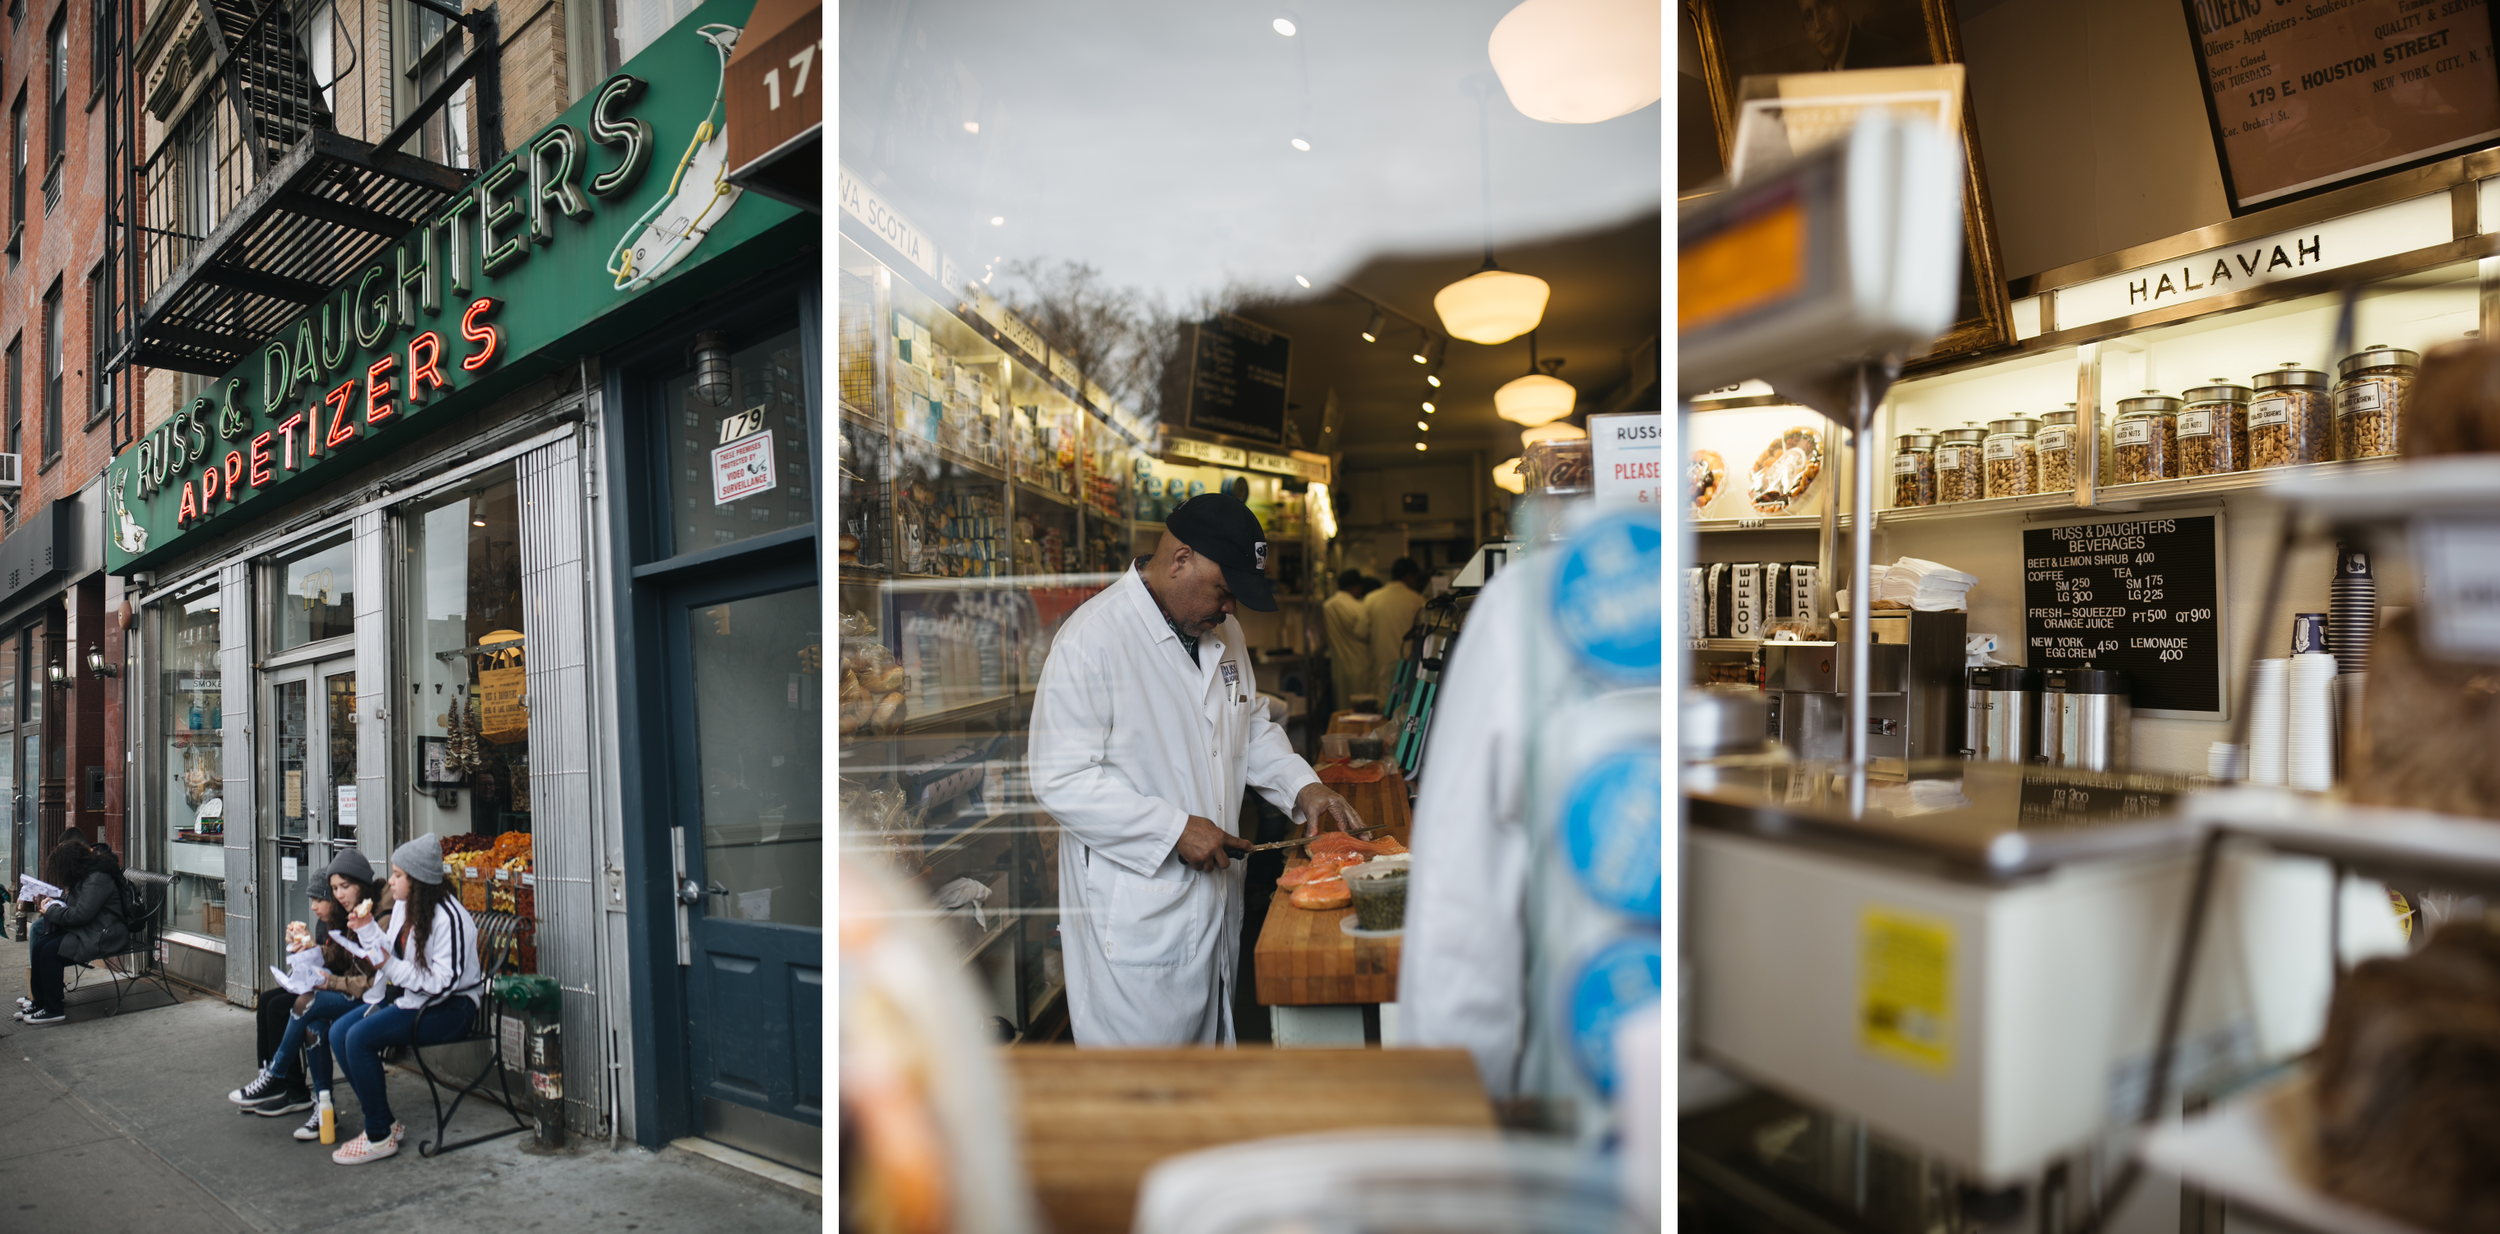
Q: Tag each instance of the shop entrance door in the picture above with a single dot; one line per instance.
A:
(747, 762)
(309, 788)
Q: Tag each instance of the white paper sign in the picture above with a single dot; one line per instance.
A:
(1625, 451)
(742, 468)
(347, 805)
(287, 869)
(2460, 570)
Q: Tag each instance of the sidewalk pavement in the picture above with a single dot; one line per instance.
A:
(118, 1123)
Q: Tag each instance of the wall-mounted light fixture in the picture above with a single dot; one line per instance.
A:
(55, 674)
(98, 666)
(712, 379)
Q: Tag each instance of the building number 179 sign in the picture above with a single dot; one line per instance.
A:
(742, 465)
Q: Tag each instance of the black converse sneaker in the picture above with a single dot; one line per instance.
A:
(311, 1130)
(284, 1102)
(262, 1088)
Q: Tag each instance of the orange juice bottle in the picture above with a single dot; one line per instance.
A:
(329, 1121)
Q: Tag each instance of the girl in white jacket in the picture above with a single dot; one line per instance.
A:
(430, 971)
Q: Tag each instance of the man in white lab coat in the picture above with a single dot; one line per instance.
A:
(1349, 639)
(1146, 729)
(1391, 611)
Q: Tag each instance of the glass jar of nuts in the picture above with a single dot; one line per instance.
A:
(2144, 444)
(2213, 429)
(2370, 394)
(2055, 446)
(2010, 454)
(1914, 470)
(2289, 421)
(1959, 473)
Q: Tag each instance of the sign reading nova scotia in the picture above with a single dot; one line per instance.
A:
(547, 255)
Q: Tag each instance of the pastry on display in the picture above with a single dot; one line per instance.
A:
(1709, 473)
(1786, 472)
(2407, 1085)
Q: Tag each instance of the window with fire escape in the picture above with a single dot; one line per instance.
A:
(430, 54)
(56, 119)
(316, 33)
(52, 374)
(16, 377)
(17, 175)
(99, 47)
(99, 342)
(202, 204)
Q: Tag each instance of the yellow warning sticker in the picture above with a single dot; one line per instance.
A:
(1905, 988)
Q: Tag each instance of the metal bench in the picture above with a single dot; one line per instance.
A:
(136, 963)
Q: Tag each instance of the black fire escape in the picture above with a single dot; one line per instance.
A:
(246, 214)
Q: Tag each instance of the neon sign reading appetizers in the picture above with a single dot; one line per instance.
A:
(345, 372)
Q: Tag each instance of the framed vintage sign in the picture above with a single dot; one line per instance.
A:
(2306, 97)
(1740, 40)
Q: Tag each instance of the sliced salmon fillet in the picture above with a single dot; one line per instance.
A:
(1323, 893)
(1298, 875)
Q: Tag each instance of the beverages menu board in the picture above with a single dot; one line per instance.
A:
(1237, 379)
(2306, 96)
(2140, 596)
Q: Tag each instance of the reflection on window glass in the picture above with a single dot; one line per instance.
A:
(467, 666)
(191, 716)
(316, 595)
(759, 718)
(737, 446)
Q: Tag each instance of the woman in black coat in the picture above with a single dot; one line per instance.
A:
(85, 927)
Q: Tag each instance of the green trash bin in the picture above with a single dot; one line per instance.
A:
(541, 1003)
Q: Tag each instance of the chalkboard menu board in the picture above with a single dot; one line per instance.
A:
(2304, 97)
(2137, 595)
(1237, 379)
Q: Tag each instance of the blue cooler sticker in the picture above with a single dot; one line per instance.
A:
(1617, 981)
(1609, 598)
(1613, 824)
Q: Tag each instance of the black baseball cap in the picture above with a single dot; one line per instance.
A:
(1218, 527)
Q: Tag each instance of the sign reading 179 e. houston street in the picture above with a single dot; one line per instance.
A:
(547, 255)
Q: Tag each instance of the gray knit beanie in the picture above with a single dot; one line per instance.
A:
(421, 858)
(351, 864)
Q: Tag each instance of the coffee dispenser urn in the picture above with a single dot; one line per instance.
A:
(2004, 713)
(1808, 688)
(2085, 718)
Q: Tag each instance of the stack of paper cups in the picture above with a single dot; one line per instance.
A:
(2352, 601)
(2309, 737)
(2266, 721)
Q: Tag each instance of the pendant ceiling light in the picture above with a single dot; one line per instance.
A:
(1579, 61)
(1556, 431)
(1493, 305)
(1538, 398)
(1506, 477)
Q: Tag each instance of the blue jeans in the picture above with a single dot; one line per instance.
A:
(360, 1035)
(327, 1005)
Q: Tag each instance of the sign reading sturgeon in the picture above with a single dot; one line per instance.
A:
(536, 262)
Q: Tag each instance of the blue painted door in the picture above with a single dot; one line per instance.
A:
(747, 752)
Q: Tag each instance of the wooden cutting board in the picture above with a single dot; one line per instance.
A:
(1303, 958)
(1092, 1122)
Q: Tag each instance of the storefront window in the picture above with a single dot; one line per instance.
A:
(467, 667)
(737, 444)
(191, 715)
(316, 595)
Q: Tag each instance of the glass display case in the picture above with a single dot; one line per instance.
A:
(982, 502)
